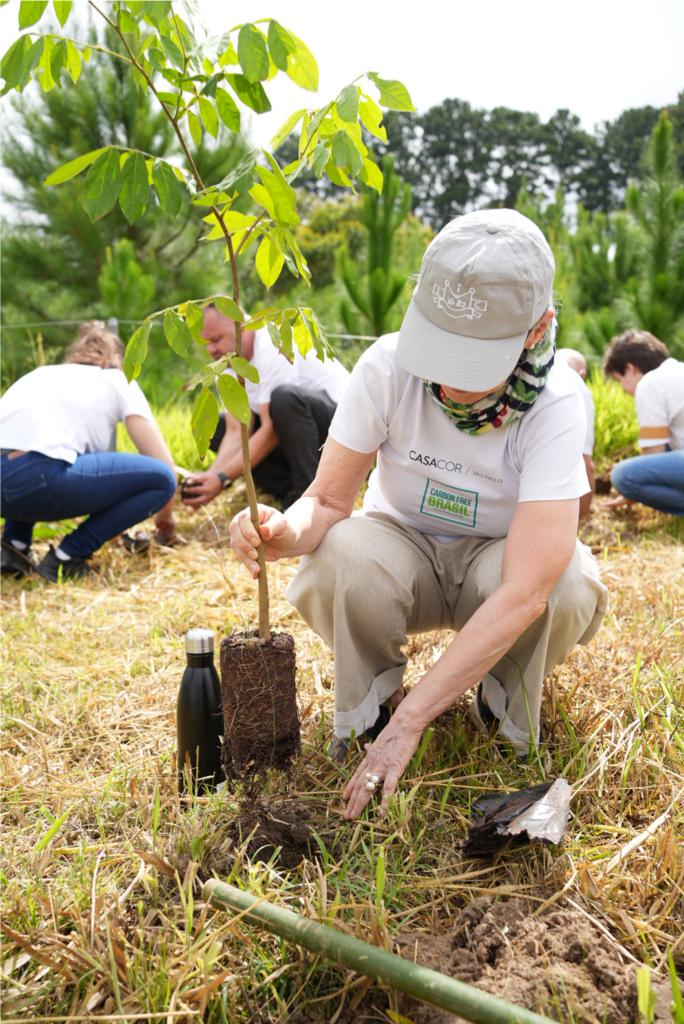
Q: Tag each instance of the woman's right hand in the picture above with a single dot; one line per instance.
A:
(277, 536)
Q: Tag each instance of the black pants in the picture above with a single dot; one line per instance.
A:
(301, 419)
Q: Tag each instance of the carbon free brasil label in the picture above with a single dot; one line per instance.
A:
(452, 504)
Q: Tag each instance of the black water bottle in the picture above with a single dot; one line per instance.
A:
(199, 717)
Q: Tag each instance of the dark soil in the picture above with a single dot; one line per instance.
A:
(260, 714)
(281, 831)
(557, 959)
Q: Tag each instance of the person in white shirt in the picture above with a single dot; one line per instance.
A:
(292, 406)
(576, 362)
(641, 364)
(469, 521)
(56, 425)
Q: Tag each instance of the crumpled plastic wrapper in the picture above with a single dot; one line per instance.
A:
(537, 812)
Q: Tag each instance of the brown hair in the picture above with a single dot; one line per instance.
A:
(94, 345)
(640, 348)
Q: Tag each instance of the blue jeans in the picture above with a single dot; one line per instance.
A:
(114, 489)
(654, 480)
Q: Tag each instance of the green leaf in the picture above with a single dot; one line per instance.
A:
(177, 333)
(193, 318)
(302, 67)
(14, 68)
(393, 94)
(347, 103)
(31, 11)
(345, 154)
(228, 57)
(135, 187)
(136, 350)
(269, 262)
(234, 397)
(645, 993)
(371, 175)
(73, 167)
(58, 59)
(205, 417)
(252, 53)
(228, 307)
(195, 127)
(371, 117)
(101, 187)
(73, 61)
(209, 116)
(169, 190)
(285, 129)
(280, 44)
(172, 52)
(283, 196)
(51, 832)
(62, 10)
(244, 368)
(228, 110)
(251, 93)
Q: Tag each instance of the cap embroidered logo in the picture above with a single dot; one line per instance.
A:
(458, 303)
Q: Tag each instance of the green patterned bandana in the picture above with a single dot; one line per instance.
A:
(508, 404)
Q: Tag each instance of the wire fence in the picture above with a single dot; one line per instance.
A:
(114, 322)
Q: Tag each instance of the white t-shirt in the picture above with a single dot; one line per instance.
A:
(434, 477)
(659, 399)
(68, 409)
(575, 381)
(307, 372)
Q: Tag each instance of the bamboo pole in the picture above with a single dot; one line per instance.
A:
(403, 975)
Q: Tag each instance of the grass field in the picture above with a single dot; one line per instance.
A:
(102, 863)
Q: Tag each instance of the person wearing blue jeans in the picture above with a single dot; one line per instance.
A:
(55, 426)
(654, 480)
(641, 365)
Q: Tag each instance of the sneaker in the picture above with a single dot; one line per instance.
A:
(52, 568)
(481, 715)
(14, 562)
(339, 746)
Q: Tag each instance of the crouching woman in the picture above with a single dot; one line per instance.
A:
(470, 518)
(56, 425)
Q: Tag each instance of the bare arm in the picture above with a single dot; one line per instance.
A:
(329, 498)
(540, 544)
(147, 438)
(586, 499)
(201, 488)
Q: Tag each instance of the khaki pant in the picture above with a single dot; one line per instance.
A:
(372, 581)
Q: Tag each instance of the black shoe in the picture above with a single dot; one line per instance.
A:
(14, 562)
(52, 568)
(482, 715)
(339, 747)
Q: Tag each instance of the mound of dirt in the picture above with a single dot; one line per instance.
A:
(286, 826)
(558, 958)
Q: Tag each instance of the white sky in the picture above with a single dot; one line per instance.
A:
(594, 57)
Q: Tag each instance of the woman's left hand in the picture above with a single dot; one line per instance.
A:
(384, 763)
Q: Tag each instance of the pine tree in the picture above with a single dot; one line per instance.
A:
(654, 297)
(53, 254)
(375, 292)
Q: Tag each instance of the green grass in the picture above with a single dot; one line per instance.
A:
(102, 863)
(616, 425)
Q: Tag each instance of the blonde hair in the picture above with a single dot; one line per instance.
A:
(94, 345)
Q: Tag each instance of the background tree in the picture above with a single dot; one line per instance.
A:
(375, 291)
(654, 297)
(53, 254)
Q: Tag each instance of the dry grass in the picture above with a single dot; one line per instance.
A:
(101, 860)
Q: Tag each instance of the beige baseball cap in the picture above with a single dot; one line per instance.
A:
(485, 280)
